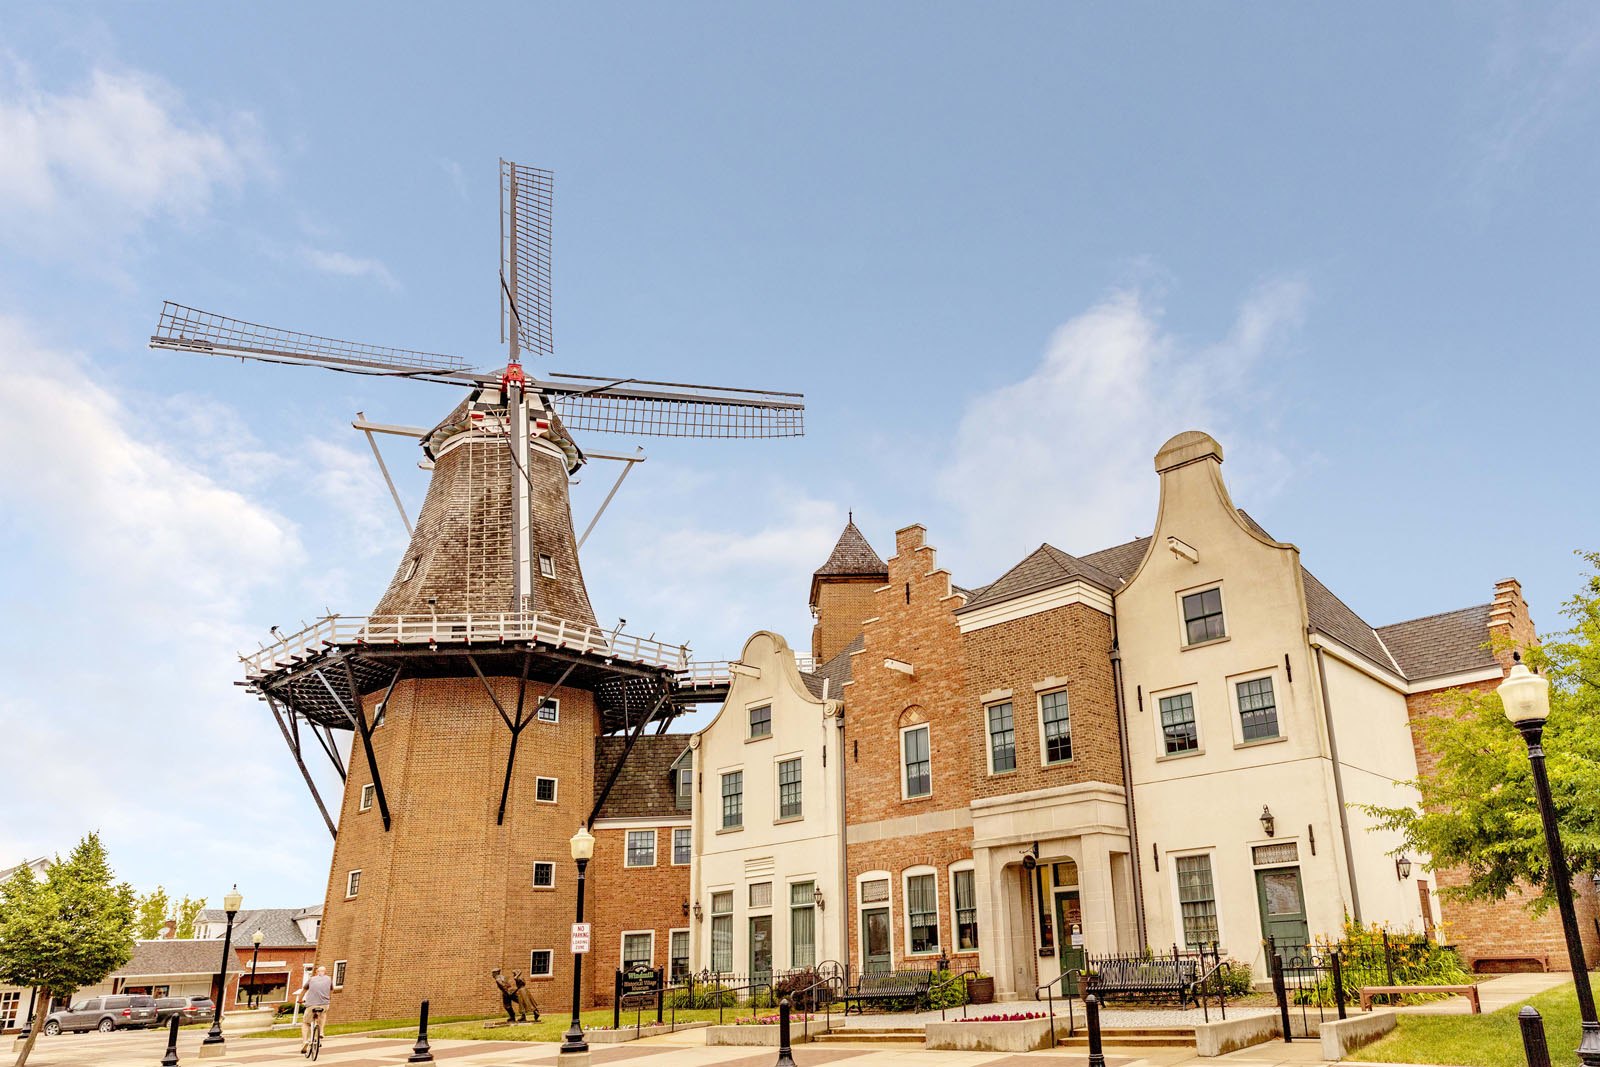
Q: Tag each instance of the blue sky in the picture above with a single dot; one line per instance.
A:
(1005, 250)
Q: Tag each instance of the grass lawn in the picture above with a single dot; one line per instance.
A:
(371, 1024)
(553, 1024)
(1489, 1040)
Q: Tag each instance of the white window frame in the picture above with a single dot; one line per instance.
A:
(1232, 682)
(860, 938)
(554, 705)
(749, 709)
(1038, 715)
(777, 791)
(340, 967)
(627, 849)
(1161, 735)
(551, 973)
(556, 789)
(368, 791)
(791, 907)
(1216, 893)
(955, 937)
(733, 927)
(676, 830)
(920, 871)
(411, 566)
(988, 740)
(688, 936)
(351, 891)
(901, 756)
(622, 945)
(380, 714)
(744, 796)
(533, 876)
(1183, 625)
(547, 566)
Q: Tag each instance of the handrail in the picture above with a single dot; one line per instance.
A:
(965, 999)
(1072, 1024)
(1222, 990)
(805, 1021)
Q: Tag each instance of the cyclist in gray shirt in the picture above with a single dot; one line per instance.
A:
(316, 994)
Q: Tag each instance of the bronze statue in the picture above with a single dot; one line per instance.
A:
(525, 1001)
(508, 993)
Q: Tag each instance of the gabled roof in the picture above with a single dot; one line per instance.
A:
(1120, 560)
(1448, 643)
(278, 924)
(644, 788)
(1045, 568)
(852, 557)
(1332, 616)
(170, 956)
(836, 671)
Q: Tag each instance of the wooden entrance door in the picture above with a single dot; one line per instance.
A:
(875, 940)
(1283, 909)
(1069, 920)
(760, 948)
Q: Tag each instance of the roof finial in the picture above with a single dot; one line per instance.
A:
(852, 514)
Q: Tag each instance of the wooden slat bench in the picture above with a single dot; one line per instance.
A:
(1156, 976)
(1468, 991)
(888, 985)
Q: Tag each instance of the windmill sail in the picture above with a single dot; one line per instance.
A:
(671, 409)
(525, 195)
(186, 329)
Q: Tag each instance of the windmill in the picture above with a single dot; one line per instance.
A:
(488, 598)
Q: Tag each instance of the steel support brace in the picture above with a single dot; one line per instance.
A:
(324, 738)
(627, 749)
(516, 732)
(360, 719)
(293, 741)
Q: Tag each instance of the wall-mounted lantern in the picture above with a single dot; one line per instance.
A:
(1268, 824)
(1402, 866)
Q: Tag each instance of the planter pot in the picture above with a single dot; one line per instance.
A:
(980, 990)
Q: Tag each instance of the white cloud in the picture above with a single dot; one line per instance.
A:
(1064, 454)
(349, 480)
(343, 265)
(458, 177)
(89, 166)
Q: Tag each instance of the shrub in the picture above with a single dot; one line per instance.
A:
(1235, 978)
(1011, 1017)
(703, 995)
(1416, 960)
(944, 991)
(286, 1008)
(803, 990)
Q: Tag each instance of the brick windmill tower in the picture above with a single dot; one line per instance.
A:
(478, 686)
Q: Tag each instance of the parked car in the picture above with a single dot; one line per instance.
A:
(104, 1014)
(191, 1009)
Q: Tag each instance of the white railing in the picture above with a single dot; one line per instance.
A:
(471, 628)
(706, 674)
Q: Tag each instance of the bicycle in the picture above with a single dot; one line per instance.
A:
(314, 1040)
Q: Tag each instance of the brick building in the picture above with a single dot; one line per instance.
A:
(842, 593)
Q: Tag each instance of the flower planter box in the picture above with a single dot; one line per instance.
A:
(633, 1033)
(753, 1035)
(1024, 1035)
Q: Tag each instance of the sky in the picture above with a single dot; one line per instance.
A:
(1005, 250)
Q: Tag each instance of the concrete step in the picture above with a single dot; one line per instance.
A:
(854, 1036)
(1124, 1040)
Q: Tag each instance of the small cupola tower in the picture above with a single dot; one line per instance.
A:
(841, 592)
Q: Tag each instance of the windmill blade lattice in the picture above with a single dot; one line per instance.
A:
(525, 196)
(634, 407)
(187, 329)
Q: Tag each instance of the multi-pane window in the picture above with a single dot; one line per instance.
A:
(544, 875)
(789, 789)
(638, 950)
(1177, 724)
(722, 931)
(1198, 899)
(338, 972)
(541, 962)
(1057, 726)
(1258, 709)
(544, 790)
(682, 845)
(761, 721)
(547, 566)
(367, 793)
(966, 905)
(922, 912)
(641, 849)
(1202, 616)
(1002, 738)
(732, 799)
(802, 924)
(550, 711)
(761, 894)
(683, 783)
(352, 884)
(677, 955)
(919, 769)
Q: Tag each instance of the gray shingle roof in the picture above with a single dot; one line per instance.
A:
(1120, 560)
(276, 923)
(1046, 567)
(1447, 643)
(837, 669)
(1334, 617)
(644, 788)
(853, 557)
(152, 958)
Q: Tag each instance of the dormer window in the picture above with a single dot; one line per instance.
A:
(1202, 617)
(683, 781)
(547, 566)
(410, 569)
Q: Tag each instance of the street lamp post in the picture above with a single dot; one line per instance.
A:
(255, 955)
(1526, 698)
(572, 1044)
(213, 1044)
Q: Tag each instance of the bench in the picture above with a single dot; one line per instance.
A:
(1543, 962)
(1468, 991)
(1172, 977)
(888, 985)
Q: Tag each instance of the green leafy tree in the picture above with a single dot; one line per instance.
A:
(152, 911)
(70, 929)
(1479, 814)
(188, 914)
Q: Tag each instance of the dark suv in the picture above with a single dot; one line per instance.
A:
(192, 1009)
(104, 1014)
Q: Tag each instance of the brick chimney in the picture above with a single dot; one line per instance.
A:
(169, 930)
(1509, 620)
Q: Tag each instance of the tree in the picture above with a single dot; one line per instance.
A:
(71, 929)
(1479, 814)
(188, 914)
(152, 913)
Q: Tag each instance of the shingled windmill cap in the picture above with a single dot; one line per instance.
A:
(1187, 447)
(852, 557)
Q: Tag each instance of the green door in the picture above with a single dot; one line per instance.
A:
(760, 948)
(875, 940)
(1069, 924)
(1283, 909)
